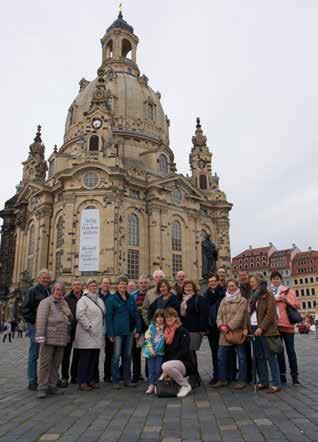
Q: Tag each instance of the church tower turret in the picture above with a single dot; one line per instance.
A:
(200, 160)
(120, 47)
(35, 166)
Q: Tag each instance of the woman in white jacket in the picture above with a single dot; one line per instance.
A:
(90, 333)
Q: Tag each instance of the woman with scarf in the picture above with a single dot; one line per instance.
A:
(262, 312)
(283, 297)
(194, 317)
(89, 335)
(166, 299)
(179, 364)
(232, 319)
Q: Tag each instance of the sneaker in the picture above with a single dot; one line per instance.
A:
(33, 387)
(239, 386)
(220, 384)
(184, 391)
(42, 394)
(116, 387)
(150, 389)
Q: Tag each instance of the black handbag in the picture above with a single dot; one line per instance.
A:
(294, 317)
(167, 388)
(275, 344)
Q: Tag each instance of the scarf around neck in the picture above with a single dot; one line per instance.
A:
(232, 296)
(184, 304)
(170, 332)
(255, 296)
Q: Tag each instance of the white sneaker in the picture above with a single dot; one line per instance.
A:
(184, 390)
(150, 389)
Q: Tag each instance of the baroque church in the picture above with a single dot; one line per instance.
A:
(109, 201)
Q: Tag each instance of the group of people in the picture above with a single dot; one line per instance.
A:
(165, 324)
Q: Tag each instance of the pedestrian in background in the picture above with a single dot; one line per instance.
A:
(7, 332)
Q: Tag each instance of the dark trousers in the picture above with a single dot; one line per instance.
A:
(225, 354)
(136, 361)
(249, 361)
(213, 337)
(5, 337)
(109, 348)
(66, 362)
(87, 365)
(288, 340)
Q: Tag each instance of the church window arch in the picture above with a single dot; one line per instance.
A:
(58, 245)
(93, 143)
(133, 230)
(31, 250)
(176, 243)
(109, 49)
(162, 164)
(203, 182)
(176, 197)
(150, 111)
(126, 49)
(133, 252)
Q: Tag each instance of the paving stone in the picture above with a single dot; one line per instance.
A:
(261, 422)
(49, 436)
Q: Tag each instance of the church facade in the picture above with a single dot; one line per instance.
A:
(109, 201)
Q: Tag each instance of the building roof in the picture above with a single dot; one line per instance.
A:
(121, 23)
(253, 251)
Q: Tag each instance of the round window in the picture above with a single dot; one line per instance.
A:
(176, 196)
(90, 180)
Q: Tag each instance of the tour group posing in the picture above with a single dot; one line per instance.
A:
(165, 324)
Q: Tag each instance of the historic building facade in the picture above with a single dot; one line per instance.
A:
(109, 201)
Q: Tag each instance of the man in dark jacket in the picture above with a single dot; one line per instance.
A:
(71, 299)
(214, 296)
(246, 291)
(30, 305)
(139, 296)
(104, 294)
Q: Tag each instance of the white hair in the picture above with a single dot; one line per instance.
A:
(158, 272)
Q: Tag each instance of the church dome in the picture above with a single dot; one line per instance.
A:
(132, 105)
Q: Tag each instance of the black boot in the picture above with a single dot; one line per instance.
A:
(283, 379)
(295, 380)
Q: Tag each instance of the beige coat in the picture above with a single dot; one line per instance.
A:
(53, 320)
(150, 297)
(234, 314)
(90, 329)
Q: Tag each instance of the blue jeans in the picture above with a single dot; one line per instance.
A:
(224, 353)
(263, 356)
(33, 355)
(122, 348)
(154, 368)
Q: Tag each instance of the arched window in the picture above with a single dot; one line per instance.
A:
(109, 49)
(150, 111)
(133, 230)
(162, 163)
(126, 49)
(31, 249)
(58, 245)
(133, 244)
(71, 116)
(203, 182)
(93, 143)
(176, 239)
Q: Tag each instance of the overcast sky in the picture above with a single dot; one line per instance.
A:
(248, 68)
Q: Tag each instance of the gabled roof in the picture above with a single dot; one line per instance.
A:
(254, 251)
(182, 182)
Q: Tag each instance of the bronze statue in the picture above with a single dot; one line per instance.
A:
(209, 256)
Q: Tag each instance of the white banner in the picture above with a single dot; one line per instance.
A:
(89, 241)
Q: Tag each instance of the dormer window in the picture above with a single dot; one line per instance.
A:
(93, 143)
(162, 164)
(150, 111)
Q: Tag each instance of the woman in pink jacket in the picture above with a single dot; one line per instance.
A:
(283, 296)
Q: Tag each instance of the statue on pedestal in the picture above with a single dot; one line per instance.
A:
(209, 256)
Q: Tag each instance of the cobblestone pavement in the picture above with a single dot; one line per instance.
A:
(130, 415)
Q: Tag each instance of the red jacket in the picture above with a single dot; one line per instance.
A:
(287, 297)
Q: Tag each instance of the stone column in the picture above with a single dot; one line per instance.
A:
(44, 216)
